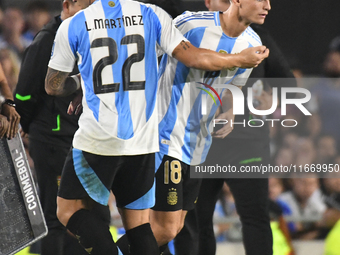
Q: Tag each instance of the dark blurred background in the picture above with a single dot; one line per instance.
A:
(303, 29)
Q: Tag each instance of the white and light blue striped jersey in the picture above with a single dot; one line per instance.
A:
(115, 43)
(185, 133)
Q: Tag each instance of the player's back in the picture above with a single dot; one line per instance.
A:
(184, 130)
(115, 42)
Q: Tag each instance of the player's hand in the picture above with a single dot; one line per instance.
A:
(4, 125)
(22, 133)
(227, 128)
(252, 57)
(76, 105)
(13, 118)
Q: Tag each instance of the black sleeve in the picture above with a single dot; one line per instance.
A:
(31, 83)
(276, 65)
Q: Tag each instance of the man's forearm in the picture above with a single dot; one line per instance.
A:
(58, 83)
(209, 60)
(214, 62)
(5, 91)
(205, 59)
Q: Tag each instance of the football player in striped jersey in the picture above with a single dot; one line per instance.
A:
(115, 43)
(186, 131)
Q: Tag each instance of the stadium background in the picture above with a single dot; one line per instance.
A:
(303, 30)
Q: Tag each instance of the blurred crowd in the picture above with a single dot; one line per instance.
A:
(18, 26)
(315, 140)
(313, 145)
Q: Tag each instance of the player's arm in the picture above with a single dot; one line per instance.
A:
(8, 108)
(58, 83)
(209, 60)
(176, 45)
(225, 114)
(4, 88)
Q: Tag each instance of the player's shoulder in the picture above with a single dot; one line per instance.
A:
(190, 20)
(188, 16)
(73, 20)
(148, 11)
(132, 3)
(252, 37)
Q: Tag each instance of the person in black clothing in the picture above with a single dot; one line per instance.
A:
(50, 131)
(243, 146)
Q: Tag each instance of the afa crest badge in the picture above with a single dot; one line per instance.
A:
(172, 198)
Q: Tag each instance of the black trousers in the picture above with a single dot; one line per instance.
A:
(48, 164)
(251, 200)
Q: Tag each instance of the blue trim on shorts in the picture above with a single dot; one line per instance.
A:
(119, 252)
(145, 202)
(89, 179)
(158, 160)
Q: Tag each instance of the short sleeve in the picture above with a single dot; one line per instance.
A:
(62, 56)
(170, 36)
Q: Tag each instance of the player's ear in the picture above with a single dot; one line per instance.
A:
(207, 4)
(236, 2)
(66, 7)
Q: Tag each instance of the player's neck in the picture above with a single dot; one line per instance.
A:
(232, 25)
(63, 16)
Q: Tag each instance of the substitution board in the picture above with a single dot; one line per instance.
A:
(21, 218)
